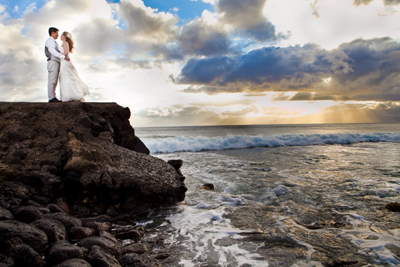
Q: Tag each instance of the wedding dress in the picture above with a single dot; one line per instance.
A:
(71, 86)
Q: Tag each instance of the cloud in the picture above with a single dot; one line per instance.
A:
(21, 72)
(386, 2)
(97, 37)
(199, 37)
(247, 18)
(190, 115)
(296, 66)
(359, 70)
(242, 112)
(244, 102)
(144, 22)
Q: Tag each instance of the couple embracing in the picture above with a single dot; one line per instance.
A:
(60, 69)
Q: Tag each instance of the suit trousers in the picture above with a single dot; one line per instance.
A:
(53, 67)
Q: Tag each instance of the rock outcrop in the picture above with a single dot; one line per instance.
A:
(84, 153)
(66, 169)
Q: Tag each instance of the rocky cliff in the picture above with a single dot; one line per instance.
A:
(85, 153)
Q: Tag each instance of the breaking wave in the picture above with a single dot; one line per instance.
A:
(199, 143)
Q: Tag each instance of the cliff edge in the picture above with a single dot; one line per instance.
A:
(84, 153)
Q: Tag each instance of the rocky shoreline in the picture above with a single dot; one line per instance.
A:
(70, 173)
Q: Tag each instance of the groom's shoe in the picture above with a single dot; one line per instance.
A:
(54, 100)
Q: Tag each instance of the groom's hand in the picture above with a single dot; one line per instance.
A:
(67, 58)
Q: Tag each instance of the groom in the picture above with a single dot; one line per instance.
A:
(53, 63)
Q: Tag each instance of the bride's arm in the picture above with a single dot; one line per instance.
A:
(65, 48)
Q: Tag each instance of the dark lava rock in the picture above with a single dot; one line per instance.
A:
(394, 206)
(109, 236)
(54, 208)
(54, 230)
(28, 214)
(135, 234)
(5, 214)
(67, 220)
(98, 257)
(14, 190)
(54, 150)
(41, 200)
(62, 251)
(98, 226)
(24, 255)
(6, 261)
(135, 260)
(13, 242)
(100, 218)
(208, 186)
(176, 163)
(137, 248)
(29, 234)
(66, 207)
(80, 232)
(74, 263)
(103, 242)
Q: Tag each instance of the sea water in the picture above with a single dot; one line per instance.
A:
(285, 195)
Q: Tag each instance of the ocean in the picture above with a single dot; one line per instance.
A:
(285, 195)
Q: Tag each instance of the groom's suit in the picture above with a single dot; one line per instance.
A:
(53, 65)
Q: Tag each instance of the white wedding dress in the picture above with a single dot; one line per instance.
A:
(71, 86)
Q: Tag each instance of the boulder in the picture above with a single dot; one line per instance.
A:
(109, 236)
(62, 251)
(103, 242)
(135, 260)
(98, 257)
(55, 208)
(66, 207)
(24, 255)
(54, 230)
(80, 232)
(28, 214)
(14, 190)
(176, 163)
(74, 263)
(67, 220)
(100, 218)
(29, 234)
(137, 248)
(5, 214)
(135, 234)
(98, 226)
(64, 150)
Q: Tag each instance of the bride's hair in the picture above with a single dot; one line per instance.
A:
(69, 41)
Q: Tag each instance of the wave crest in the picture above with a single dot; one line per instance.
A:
(200, 143)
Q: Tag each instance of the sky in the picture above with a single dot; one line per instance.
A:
(215, 62)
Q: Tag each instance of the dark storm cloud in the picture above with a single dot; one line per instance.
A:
(267, 65)
(359, 70)
(248, 18)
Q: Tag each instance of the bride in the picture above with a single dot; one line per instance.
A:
(71, 86)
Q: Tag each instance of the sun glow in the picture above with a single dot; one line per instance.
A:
(327, 80)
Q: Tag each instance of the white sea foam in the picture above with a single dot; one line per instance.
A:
(200, 143)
